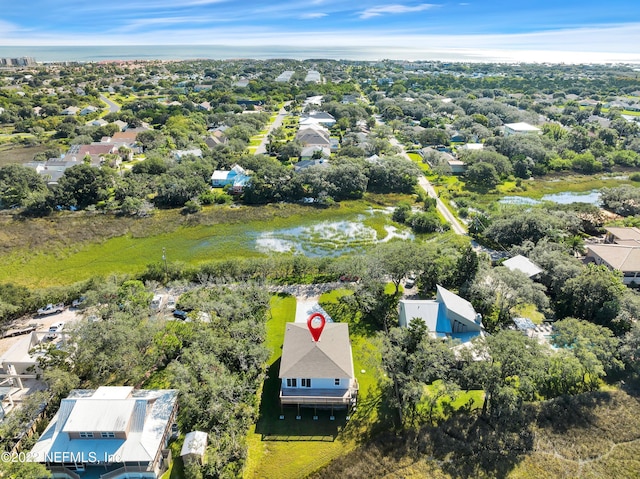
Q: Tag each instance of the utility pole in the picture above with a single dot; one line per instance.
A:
(164, 258)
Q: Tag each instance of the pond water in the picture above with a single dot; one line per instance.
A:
(327, 238)
(564, 198)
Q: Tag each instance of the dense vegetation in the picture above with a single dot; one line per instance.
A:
(498, 407)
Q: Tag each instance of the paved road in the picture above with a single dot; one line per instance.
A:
(441, 207)
(113, 107)
(262, 147)
(428, 187)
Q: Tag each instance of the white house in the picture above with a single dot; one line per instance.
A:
(457, 166)
(179, 154)
(53, 169)
(88, 110)
(308, 152)
(70, 111)
(448, 316)
(237, 177)
(317, 374)
(318, 117)
(521, 128)
(472, 146)
(116, 432)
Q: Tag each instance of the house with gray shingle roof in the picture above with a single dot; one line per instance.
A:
(317, 373)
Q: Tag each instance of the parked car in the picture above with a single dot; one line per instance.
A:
(179, 314)
(156, 302)
(171, 303)
(54, 330)
(51, 309)
(346, 278)
(78, 302)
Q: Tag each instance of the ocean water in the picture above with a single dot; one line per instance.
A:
(74, 53)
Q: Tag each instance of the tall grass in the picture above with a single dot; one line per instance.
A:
(68, 247)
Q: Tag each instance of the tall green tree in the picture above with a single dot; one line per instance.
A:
(594, 346)
(594, 295)
(18, 184)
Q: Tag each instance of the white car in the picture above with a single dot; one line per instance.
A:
(54, 329)
(171, 303)
(156, 302)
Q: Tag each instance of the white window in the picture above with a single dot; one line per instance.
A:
(336, 381)
(306, 383)
(86, 435)
(108, 435)
(292, 383)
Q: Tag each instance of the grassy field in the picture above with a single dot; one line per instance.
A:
(11, 153)
(71, 247)
(452, 187)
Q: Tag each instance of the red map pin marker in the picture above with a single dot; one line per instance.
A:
(316, 323)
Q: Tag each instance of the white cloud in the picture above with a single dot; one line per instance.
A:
(605, 43)
(394, 9)
(152, 22)
(311, 16)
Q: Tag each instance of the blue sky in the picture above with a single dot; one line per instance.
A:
(575, 29)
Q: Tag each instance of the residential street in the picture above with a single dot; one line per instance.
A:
(113, 107)
(428, 187)
(262, 147)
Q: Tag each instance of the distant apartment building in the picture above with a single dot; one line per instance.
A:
(17, 62)
(285, 76)
(313, 76)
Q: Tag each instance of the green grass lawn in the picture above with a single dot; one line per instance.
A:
(176, 470)
(531, 312)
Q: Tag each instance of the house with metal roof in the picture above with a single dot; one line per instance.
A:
(521, 128)
(317, 373)
(194, 446)
(237, 177)
(524, 265)
(448, 316)
(109, 432)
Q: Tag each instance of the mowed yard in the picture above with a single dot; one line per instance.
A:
(293, 448)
